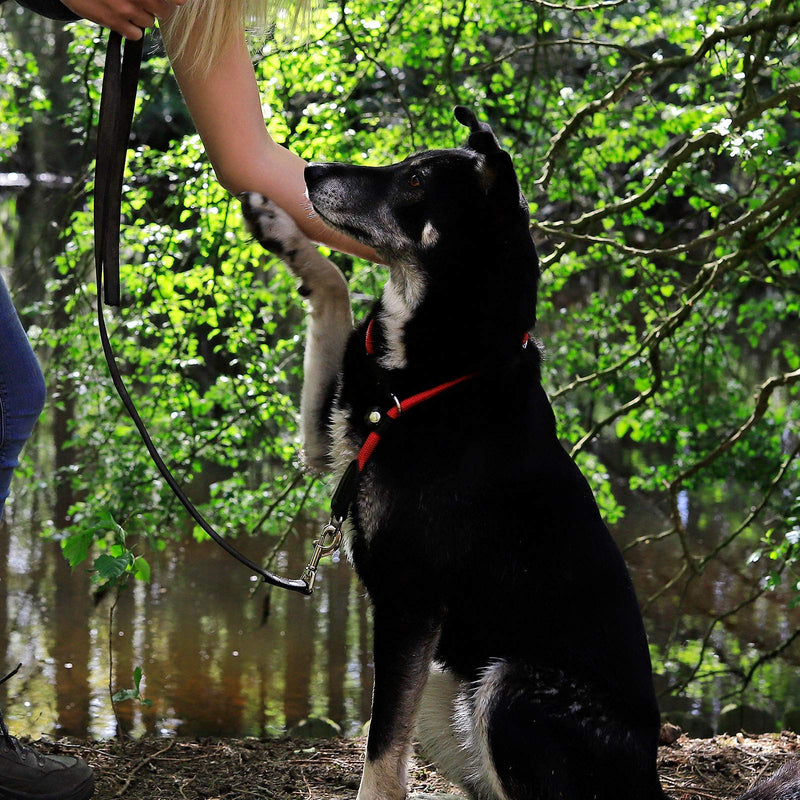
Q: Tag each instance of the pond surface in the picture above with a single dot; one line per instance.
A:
(216, 664)
(212, 662)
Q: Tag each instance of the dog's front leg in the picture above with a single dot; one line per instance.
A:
(330, 319)
(403, 648)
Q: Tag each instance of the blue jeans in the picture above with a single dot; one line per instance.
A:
(22, 390)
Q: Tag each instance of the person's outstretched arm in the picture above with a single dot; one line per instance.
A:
(225, 105)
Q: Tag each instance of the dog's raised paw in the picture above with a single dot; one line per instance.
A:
(270, 225)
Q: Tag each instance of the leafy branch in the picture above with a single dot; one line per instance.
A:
(763, 22)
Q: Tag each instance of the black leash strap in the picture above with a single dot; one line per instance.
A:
(120, 79)
(116, 115)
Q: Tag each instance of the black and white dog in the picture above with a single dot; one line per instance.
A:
(506, 630)
(506, 627)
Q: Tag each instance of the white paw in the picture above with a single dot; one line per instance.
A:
(270, 225)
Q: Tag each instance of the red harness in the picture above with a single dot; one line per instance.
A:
(376, 417)
(347, 488)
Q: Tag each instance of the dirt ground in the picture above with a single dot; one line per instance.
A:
(224, 769)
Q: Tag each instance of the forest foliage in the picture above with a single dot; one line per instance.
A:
(657, 144)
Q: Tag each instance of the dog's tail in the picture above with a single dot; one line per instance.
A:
(782, 785)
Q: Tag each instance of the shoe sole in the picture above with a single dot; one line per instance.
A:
(81, 792)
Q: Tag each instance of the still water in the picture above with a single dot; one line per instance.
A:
(215, 664)
(212, 663)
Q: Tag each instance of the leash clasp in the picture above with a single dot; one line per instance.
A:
(329, 541)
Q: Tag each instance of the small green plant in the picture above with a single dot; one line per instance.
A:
(112, 567)
(133, 694)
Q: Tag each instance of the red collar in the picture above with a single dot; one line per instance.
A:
(379, 420)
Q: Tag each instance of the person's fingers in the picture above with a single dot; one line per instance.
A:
(129, 30)
(126, 17)
(161, 9)
(142, 18)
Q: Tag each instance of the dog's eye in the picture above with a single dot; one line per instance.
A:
(414, 180)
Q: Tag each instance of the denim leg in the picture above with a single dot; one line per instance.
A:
(22, 390)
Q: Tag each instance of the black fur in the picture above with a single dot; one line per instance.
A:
(782, 785)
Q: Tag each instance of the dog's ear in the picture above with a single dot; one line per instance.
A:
(502, 186)
(481, 137)
(500, 177)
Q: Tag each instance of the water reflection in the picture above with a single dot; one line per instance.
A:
(682, 615)
(210, 665)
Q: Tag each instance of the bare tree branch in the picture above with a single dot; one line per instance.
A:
(761, 404)
(566, 7)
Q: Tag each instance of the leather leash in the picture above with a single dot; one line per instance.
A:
(120, 80)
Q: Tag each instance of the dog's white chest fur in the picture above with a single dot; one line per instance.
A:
(400, 299)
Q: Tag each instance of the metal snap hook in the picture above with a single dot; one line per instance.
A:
(329, 541)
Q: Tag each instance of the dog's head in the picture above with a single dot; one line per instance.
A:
(432, 203)
(454, 217)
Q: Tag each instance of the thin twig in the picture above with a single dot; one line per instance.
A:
(120, 730)
(685, 788)
(649, 538)
(756, 510)
(760, 408)
(298, 478)
(765, 657)
(566, 7)
(144, 762)
(279, 544)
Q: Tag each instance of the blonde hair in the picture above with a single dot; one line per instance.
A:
(200, 29)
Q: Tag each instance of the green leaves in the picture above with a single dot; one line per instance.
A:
(76, 546)
(124, 695)
(112, 567)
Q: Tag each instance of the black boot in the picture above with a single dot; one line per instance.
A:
(28, 775)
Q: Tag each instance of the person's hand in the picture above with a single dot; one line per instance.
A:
(126, 17)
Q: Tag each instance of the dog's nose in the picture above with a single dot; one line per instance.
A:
(314, 173)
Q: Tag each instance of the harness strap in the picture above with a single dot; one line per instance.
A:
(372, 441)
(347, 488)
(116, 116)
